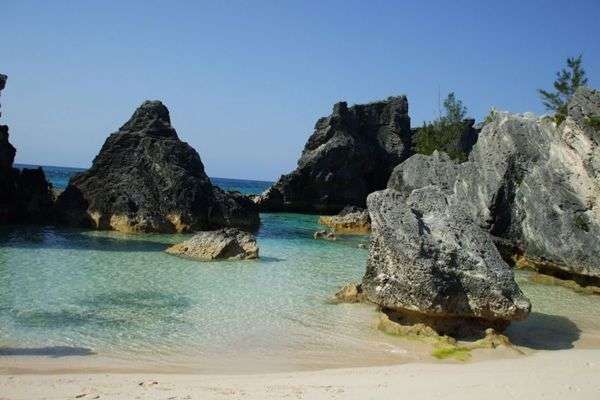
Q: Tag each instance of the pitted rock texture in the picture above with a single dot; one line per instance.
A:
(351, 220)
(25, 195)
(229, 243)
(528, 182)
(531, 183)
(145, 179)
(350, 154)
(430, 259)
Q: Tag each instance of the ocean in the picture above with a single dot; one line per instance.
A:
(107, 300)
(59, 178)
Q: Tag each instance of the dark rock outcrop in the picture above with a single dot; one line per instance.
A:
(222, 244)
(145, 179)
(25, 195)
(350, 154)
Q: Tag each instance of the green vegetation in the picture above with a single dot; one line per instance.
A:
(444, 134)
(490, 117)
(594, 122)
(447, 351)
(566, 83)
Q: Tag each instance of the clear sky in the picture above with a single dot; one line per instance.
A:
(245, 81)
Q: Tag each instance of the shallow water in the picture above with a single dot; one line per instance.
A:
(122, 296)
(71, 292)
(104, 299)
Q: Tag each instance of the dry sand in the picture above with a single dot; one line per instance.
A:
(562, 374)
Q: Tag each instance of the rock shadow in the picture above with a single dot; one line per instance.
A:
(29, 237)
(50, 351)
(544, 332)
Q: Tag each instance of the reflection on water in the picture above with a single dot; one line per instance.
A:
(70, 292)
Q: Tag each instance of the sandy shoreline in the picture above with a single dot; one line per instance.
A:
(563, 374)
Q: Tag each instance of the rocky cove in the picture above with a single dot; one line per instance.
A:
(445, 236)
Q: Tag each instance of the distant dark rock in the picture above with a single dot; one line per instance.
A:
(350, 154)
(226, 244)
(145, 179)
(25, 196)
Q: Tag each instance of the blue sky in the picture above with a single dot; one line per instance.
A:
(245, 81)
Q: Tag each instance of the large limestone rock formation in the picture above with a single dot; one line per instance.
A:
(229, 243)
(25, 196)
(145, 179)
(430, 263)
(351, 154)
(529, 184)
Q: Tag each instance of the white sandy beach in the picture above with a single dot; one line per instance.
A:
(564, 374)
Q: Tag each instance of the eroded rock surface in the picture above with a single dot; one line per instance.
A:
(531, 183)
(527, 183)
(145, 179)
(429, 263)
(350, 154)
(229, 243)
(351, 220)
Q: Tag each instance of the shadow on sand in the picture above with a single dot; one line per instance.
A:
(51, 351)
(544, 332)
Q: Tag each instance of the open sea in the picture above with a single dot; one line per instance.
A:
(105, 300)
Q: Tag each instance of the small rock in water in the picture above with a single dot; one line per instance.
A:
(351, 220)
(229, 243)
(351, 293)
(327, 235)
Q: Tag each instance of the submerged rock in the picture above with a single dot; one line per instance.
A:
(350, 154)
(327, 235)
(145, 179)
(351, 220)
(351, 293)
(25, 195)
(229, 243)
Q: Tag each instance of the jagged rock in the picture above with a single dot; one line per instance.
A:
(351, 220)
(530, 183)
(429, 263)
(25, 196)
(327, 235)
(145, 179)
(350, 154)
(229, 243)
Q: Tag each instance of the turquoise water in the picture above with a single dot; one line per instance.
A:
(122, 296)
(89, 297)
